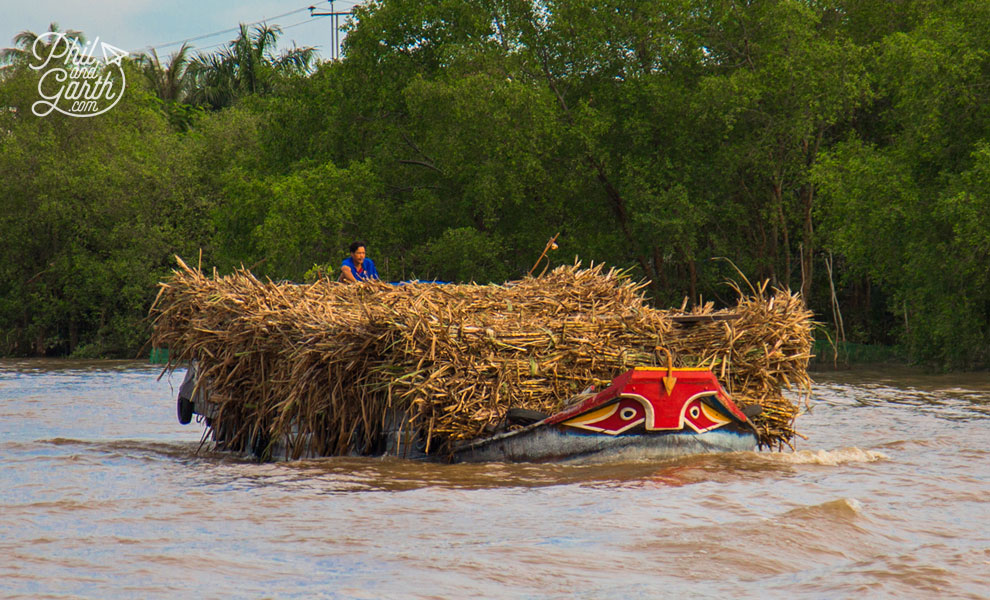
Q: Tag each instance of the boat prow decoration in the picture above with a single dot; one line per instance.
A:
(646, 412)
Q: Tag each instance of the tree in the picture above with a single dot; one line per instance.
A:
(171, 82)
(906, 207)
(92, 210)
(248, 65)
(28, 43)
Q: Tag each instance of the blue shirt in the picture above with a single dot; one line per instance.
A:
(368, 266)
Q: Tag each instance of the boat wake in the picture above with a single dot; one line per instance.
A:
(147, 449)
(840, 509)
(830, 458)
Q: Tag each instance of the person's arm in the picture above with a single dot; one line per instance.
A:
(346, 276)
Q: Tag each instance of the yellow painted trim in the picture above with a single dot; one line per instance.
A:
(714, 415)
(596, 415)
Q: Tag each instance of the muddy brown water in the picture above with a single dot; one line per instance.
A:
(104, 495)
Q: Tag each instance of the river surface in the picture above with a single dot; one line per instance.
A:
(104, 495)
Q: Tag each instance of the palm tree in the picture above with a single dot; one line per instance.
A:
(172, 82)
(214, 79)
(248, 65)
(22, 52)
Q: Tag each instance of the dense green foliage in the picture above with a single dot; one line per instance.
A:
(457, 136)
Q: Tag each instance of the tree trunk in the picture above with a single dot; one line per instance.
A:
(808, 244)
(658, 267)
(778, 196)
(807, 201)
(73, 335)
(616, 202)
(693, 275)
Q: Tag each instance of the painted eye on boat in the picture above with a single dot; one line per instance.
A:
(695, 412)
(627, 413)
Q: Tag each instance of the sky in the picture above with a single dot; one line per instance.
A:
(136, 25)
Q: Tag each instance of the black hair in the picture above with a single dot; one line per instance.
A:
(356, 245)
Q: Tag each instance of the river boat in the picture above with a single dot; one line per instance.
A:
(646, 413)
(650, 413)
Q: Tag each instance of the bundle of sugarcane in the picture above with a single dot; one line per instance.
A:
(324, 366)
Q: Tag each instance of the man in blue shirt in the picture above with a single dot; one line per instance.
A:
(357, 267)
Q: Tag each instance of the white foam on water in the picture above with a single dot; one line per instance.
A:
(827, 457)
(838, 510)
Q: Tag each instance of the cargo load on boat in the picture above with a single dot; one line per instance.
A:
(328, 369)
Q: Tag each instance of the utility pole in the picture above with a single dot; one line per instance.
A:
(335, 29)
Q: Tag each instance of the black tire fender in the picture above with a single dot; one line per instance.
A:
(184, 410)
(523, 416)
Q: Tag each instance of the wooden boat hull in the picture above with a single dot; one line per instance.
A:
(646, 413)
(547, 444)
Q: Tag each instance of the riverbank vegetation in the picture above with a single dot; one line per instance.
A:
(837, 147)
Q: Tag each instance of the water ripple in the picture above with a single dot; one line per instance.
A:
(103, 495)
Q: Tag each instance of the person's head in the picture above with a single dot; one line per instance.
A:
(357, 252)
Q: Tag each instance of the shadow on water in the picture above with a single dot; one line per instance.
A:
(68, 365)
(949, 396)
(185, 452)
(901, 377)
(358, 474)
(353, 474)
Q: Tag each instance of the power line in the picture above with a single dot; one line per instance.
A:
(309, 20)
(235, 29)
(218, 44)
(230, 30)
